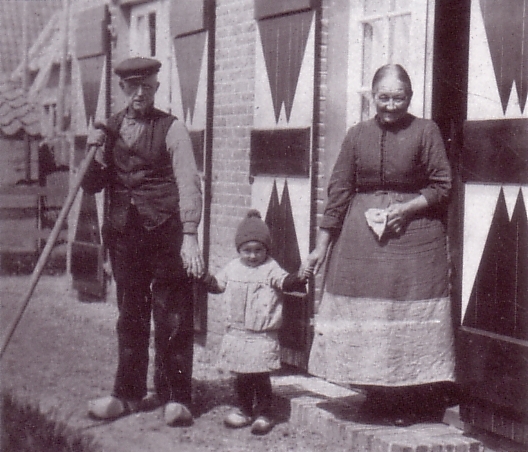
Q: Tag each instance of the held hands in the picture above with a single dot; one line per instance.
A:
(312, 264)
(316, 258)
(191, 256)
(305, 273)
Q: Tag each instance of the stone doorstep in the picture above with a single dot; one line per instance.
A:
(330, 410)
(452, 418)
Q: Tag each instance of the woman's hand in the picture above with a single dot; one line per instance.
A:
(397, 217)
(316, 258)
(399, 214)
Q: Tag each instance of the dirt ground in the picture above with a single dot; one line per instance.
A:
(63, 353)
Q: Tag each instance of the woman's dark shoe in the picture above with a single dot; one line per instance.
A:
(376, 408)
(418, 416)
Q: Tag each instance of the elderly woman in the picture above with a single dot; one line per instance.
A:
(384, 322)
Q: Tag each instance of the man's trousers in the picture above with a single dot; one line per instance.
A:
(151, 281)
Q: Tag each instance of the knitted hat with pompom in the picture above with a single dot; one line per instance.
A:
(253, 228)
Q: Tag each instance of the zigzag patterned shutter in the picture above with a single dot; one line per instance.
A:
(281, 149)
(192, 33)
(93, 56)
(92, 51)
(493, 337)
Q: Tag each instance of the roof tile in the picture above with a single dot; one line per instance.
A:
(17, 112)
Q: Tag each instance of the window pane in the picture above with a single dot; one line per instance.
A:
(366, 107)
(386, 29)
(375, 7)
(401, 5)
(142, 45)
(368, 34)
(375, 51)
(399, 38)
(152, 33)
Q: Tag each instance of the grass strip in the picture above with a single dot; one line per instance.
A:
(24, 428)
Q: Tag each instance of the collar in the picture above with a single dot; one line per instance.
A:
(401, 124)
(134, 114)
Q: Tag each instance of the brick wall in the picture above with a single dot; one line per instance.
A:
(320, 106)
(234, 87)
(233, 120)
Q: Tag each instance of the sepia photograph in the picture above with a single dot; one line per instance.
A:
(264, 225)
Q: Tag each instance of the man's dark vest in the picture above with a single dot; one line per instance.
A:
(141, 174)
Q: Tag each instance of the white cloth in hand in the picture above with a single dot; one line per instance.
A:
(377, 221)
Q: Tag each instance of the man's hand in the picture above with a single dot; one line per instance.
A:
(192, 256)
(96, 137)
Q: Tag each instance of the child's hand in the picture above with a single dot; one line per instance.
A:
(210, 283)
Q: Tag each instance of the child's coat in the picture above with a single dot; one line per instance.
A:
(253, 301)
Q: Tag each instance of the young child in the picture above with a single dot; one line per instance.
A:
(252, 286)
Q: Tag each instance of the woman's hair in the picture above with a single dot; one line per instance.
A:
(395, 69)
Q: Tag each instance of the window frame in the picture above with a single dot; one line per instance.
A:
(420, 57)
(163, 46)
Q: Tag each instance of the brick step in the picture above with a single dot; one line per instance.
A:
(331, 410)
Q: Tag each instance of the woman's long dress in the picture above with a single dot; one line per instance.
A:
(385, 316)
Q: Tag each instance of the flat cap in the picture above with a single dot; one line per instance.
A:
(137, 67)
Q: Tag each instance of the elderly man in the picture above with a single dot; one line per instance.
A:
(154, 207)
